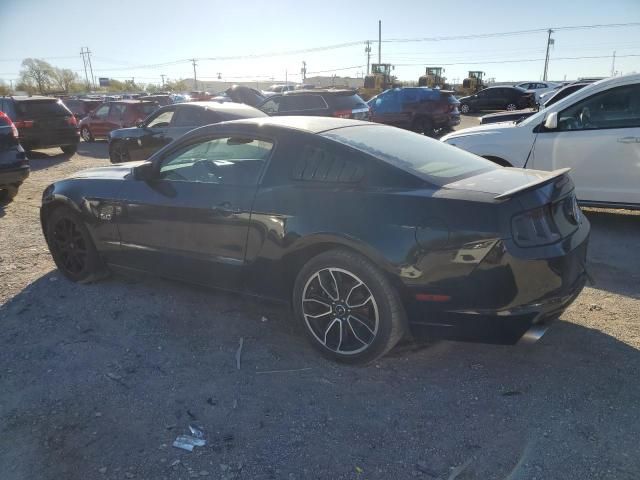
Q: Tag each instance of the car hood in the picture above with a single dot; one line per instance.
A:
(489, 129)
(114, 172)
(500, 180)
(124, 132)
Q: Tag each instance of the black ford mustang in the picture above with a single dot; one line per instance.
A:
(371, 232)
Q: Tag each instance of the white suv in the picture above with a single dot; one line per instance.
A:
(594, 131)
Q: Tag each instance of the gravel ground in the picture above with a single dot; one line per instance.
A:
(97, 381)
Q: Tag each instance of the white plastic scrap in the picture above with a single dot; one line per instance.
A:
(187, 442)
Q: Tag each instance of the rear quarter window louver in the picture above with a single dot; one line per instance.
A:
(318, 165)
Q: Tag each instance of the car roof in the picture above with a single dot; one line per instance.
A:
(24, 98)
(321, 91)
(224, 107)
(308, 124)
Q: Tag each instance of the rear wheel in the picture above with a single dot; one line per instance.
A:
(464, 108)
(348, 308)
(8, 192)
(72, 248)
(69, 149)
(85, 133)
(119, 153)
(511, 107)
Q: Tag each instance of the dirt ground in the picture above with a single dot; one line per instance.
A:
(97, 381)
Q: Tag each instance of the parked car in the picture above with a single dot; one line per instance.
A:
(42, 122)
(241, 94)
(14, 166)
(595, 132)
(281, 88)
(169, 123)
(420, 109)
(317, 102)
(519, 115)
(161, 100)
(538, 88)
(497, 98)
(113, 115)
(370, 231)
(81, 107)
(200, 96)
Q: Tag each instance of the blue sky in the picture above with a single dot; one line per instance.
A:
(125, 35)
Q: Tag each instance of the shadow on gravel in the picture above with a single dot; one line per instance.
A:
(41, 160)
(103, 377)
(97, 149)
(617, 269)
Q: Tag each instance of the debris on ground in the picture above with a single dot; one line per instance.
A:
(239, 353)
(594, 307)
(188, 442)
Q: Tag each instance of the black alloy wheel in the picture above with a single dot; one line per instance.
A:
(349, 310)
(72, 248)
(86, 135)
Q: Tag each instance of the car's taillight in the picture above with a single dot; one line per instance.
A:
(342, 113)
(72, 121)
(24, 123)
(4, 118)
(535, 227)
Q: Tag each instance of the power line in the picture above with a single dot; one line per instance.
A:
(520, 60)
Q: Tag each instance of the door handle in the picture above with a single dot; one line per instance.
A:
(629, 140)
(225, 209)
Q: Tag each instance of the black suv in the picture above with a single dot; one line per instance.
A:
(14, 167)
(42, 122)
(316, 102)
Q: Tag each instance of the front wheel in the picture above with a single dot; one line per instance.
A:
(72, 248)
(119, 153)
(349, 310)
(8, 192)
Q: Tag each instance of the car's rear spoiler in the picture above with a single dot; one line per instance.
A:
(536, 183)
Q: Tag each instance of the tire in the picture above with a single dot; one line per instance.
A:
(69, 149)
(86, 135)
(348, 309)
(72, 248)
(426, 127)
(119, 153)
(8, 193)
(464, 108)
(511, 107)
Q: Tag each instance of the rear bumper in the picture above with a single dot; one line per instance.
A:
(31, 141)
(14, 176)
(502, 300)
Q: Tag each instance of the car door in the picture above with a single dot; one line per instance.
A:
(114, 118)
(155, 132)
(98, 125)
(599, 139)
(190, 221)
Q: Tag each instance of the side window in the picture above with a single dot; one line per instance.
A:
(483, 93)
(161, 120)
(319, 165)
(615, 108)
(102, 112)
(116, 111)
(410, 95)
(389, 102)
(271, 106)
(188, 116)
(225, 161)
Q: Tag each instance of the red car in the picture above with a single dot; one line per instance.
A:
(114, 115)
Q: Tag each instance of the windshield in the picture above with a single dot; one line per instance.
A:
(422, 156)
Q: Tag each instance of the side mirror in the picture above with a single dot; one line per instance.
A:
(144, 172)
(551, 122)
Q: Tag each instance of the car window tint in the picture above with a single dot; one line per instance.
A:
(298, 103)
(228, 161)
(271, 106)
(319, 165)
(189, 116)
(116, 111)
(161, 120)
(614, 108)
(36, 108)
(410, 95)
(103, 111)
(419, 155)
(345, 102)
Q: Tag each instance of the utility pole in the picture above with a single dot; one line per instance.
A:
(613, 64)
(367, 50)
(550, 42)
(84, 62)
(195, 78)
(379, 41)
(303, 71)
(90, 67)
(286, 77)
(162, 76)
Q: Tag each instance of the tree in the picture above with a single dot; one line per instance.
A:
(36, 74)
(176, 86)
(4, 89)
(65, 79)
